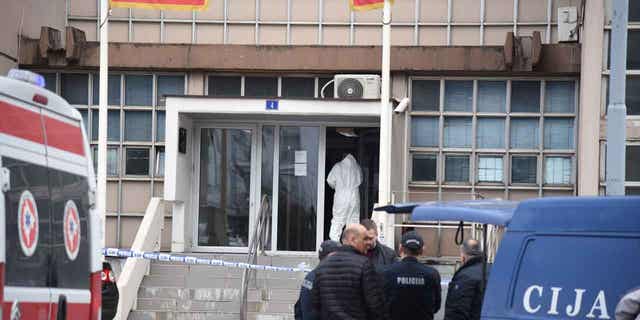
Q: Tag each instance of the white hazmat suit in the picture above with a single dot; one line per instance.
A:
(345, 178)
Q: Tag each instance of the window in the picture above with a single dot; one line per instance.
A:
(169, 85)
(456, 168)
(137, 125)
(492, 96)
(632, 166)
(424, 132)
(137, 161)
(138, 90)
(525, 96)
(490, 133)
(559, 97)
(424, 167)
(260, 87)
(632, 191)
(50, 81)
(85, 119)
(159, 171)
(458, 96)
(113, 125)
(633, 48)
(524, 133)
(328, 91)
(557, 170)
(457, 132)
(558, 133)
(112, 160)
(224, 86)
(113, 88)
(490, 169)
(632, 96)
(425, 95)
(524, 169)
(74, 87)
(160, 123)
(298, 87)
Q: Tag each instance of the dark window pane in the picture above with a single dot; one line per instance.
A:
(558, 133)
(633, 96)
(634, 10)
(298, 87)
(632, 191)
(424, 132)
(490, 133)
(524, 169)
(424, 167)
(224, 86)
(457, 132)
(425, 95)
(458, 95)
(113, 87)
(260, 87)
(633, 48)
(525, 96)
(492, 96)
(328, 91)
(456, 169)
(559, 97)
(50, 81)
(85, 119)
(137, 125)
(138, 90)
(632, 166)
(137, 161)
(74, 87)
(160, 123)
(169, 85)
(524, 133)
(113, 125)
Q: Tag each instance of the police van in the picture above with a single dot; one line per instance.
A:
(560, 258)
(50, 260)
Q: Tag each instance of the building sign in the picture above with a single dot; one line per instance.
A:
(271, 105)
(199, 5)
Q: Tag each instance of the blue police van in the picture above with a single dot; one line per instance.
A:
(560, 258)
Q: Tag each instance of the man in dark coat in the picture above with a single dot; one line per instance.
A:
(466, 291)
(380, 255)
(347, 285)
(412, 288)
(303, 309)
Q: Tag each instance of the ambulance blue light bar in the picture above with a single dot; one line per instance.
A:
(27, 76)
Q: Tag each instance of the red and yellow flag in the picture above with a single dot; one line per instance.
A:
(198, 5)
(363, 5)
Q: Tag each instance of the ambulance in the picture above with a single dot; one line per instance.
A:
(50, 234)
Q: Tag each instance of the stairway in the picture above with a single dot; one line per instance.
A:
(178, 291)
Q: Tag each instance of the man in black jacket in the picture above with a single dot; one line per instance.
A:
(380, 255)
(412, 288)
(466, 291)
(346, 285)
(303, 309)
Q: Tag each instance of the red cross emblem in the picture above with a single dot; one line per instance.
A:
(28, 225)
(71, 230)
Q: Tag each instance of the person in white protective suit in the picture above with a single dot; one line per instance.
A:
(345, 178)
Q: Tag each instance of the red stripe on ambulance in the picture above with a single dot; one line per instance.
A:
(63, 136)
(20, 122)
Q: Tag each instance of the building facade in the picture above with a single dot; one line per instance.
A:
(485, 120)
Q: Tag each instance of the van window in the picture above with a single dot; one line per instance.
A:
(27, 261)
(70, 230)
(575, 276)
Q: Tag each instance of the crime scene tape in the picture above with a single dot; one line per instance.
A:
(158, 256)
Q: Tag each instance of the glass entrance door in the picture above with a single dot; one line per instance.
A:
(225, 194)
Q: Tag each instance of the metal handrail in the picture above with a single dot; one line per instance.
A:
(258, 241)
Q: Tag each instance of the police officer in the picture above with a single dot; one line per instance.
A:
(303, 309)
(412, 288)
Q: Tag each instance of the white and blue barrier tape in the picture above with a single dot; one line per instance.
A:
(158, 256)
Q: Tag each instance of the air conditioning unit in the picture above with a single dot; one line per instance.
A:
(356, 86)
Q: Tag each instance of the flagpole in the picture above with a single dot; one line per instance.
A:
(101, 192)
(384, 195)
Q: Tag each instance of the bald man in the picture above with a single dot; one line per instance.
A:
(464, 298)
(346, 284)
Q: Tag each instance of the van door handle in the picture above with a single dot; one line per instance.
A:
(62, 308)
